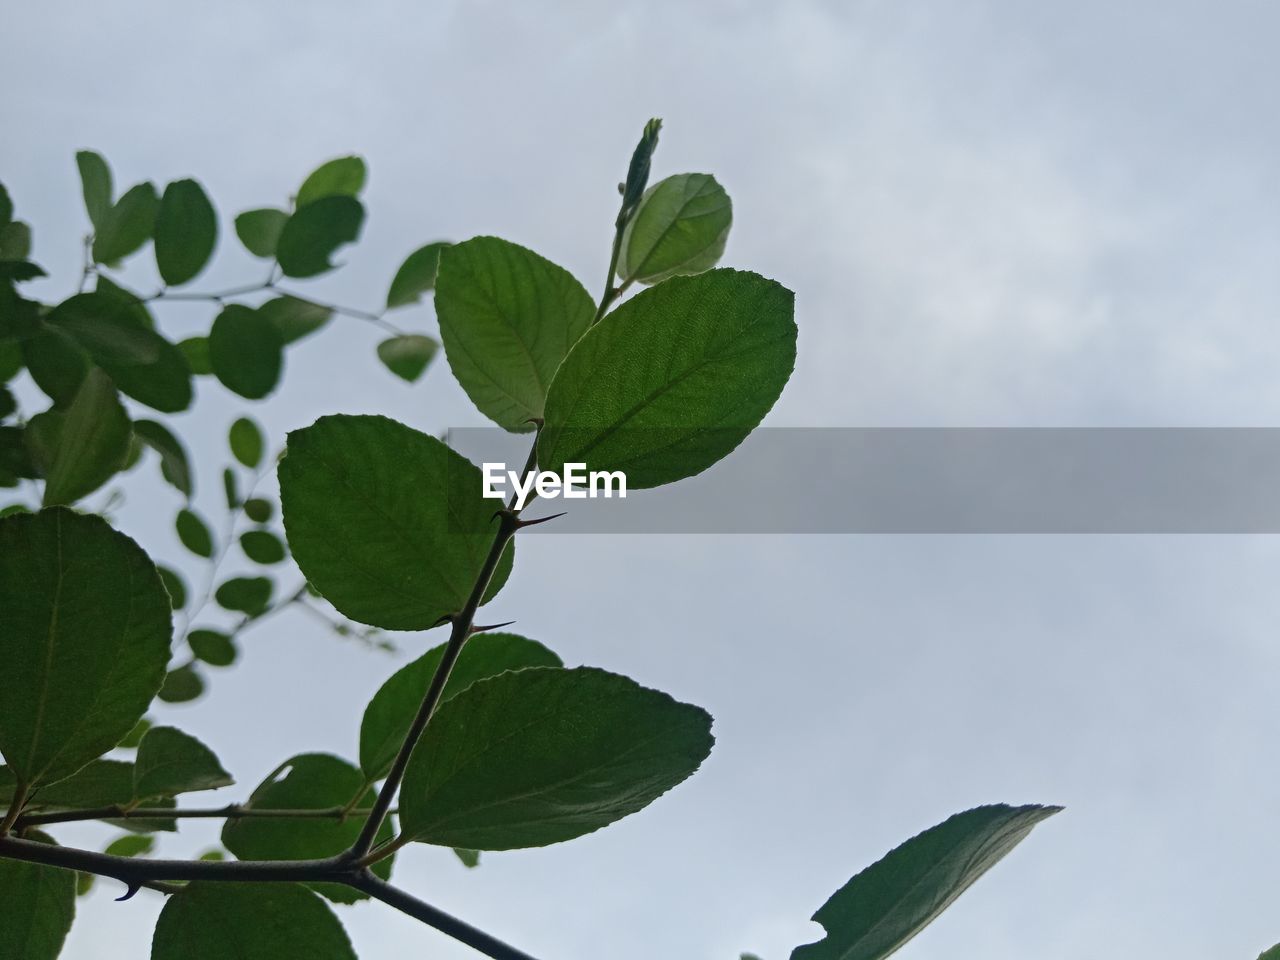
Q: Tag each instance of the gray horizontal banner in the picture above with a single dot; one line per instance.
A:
(932, 480)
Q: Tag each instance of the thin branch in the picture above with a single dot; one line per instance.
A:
(233, 811)
(365, 315)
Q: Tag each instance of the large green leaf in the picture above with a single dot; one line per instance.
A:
(56, 363)
(416, 276)
(310, 237)
(391, 711)
(680, 227)
(175, 466)
(92, 442)
(389, 524)
(186, 231)
(245, 351)
(1272, 954)
(170, 762)
(407, 355)
(127, 225)
(340, 177)
(507, 318)
(537, 756)
(895, 898)
(311, 781)
(39, 905)
(248, 921)
(84, 639)
(259, 230)
(95, 182)
(673, 380)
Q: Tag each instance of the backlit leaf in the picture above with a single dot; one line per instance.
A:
(186, 232)
(416, 276)
(127, 225)
(259, 230)
(312, 234)
(170, 762)
(407, 355)
(293, 318)
(680, 227)
(340, 177)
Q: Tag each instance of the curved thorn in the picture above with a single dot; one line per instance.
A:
(491, 626)
(128, 894)
(521, 524)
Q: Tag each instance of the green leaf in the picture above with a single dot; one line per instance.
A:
(174, 586)
(175, 467)
(85, 640)
(93, 441)
(170, 762)
(673, 380)
(181, 686)
(388, 523)
(153, 825)
(194, 533)
(507, 318)
(1272, 954)
(391, 711)
(10, 360)
(407, 355)
(95, 181)
(134, 737)
(262, 547)
(186, 232)
(39, 906)
(196, 352)
(248, 595)
(245, 352)
(341, 177)
(259, 230)
(56, 363)
(7, 403)
(100, 783)
(470, 858)
(312, 781)
(315, 231)
(127, 225)
(537, 756)
(680, 227)
(293, 318)
(213, 647)
(230, 488)
(416, 276)
(258, 510)
(130, 845)
(895, 898)
(246, 442)
(248, 921)
(15, 241)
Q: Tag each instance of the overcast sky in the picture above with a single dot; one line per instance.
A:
(992, 213)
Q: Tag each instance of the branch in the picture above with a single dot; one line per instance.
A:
(233, 811)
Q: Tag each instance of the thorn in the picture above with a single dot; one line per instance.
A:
(520, 524)
(492, 626)
(128, 894)
(447, 618)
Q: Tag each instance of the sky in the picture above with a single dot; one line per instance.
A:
(992, 214)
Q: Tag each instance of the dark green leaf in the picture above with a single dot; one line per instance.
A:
(196, 350)
(245, 439)
(170, 762)
(83, 654)
(1272, 954)
(15, 241)
(507, 319)
(416, 276)
(127, 304)
(173, 584)
(153, 825)
(245, 352)
(39, 905)
(100, 783)
(679, 227)
(407, 355)
(194, 533)
(388, 523)
(56, 363)
(672, 380)
(315, 231)
(95, 181)
(895, 898)
(10, 360)
(537, 756)
(41, 436)
(6, 205)
(127, 225)
(341, 177)
(258, 510)
(641, 161)
(230, 488)
(312, 781)
(16, 453)
(259, 230)
(7, 404)
(174, 465)
(92, 442)
(20, 271)
(134, 737)
(248, 595)
(213, 647)
(248, 921)
(181, 686)
(186, 232)
(294, 318)
(392, 709)
(130, 845)
(470, 858)
(262, 546)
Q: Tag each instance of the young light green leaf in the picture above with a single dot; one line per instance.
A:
(310, 237)
(194, 533)
(895, 898)
(294, 318)
(213, 647)
(407, 355)
(181, 686)
(262, 547)
(680, 227)
(130, 845)
(95, 182)
(170, 762)
(416, 276)
(175, 467)
(259, 230)
(247, 595)
(507, 318)
(92, 442)
(134, 736)
(537, 756)
(174, 586)
(470, 858)
(340, 177)
(127, 225)
(186, 232)
(248, 921)
(312, 781)
(673, 380)
(246, 442)
(245, 352)
(390, 713)
(84, 643)
(388, 523)
(39, 906)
